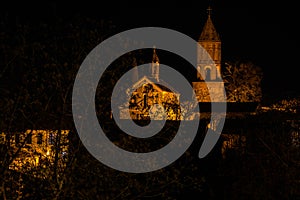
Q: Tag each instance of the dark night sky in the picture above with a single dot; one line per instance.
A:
(263, 34)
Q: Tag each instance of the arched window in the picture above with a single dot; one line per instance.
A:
(207, 74)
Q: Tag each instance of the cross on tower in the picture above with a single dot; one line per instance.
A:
(209, 10)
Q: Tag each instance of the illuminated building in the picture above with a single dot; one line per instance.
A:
(209, 86)
(151, 97)
(36, 149)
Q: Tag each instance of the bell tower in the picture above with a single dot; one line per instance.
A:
(209, 86)
(210, 40)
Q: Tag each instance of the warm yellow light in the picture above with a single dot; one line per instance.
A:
(48, 153)
(36, 160)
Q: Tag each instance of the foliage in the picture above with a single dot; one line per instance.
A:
(40, 62)
(39, 66)
(287, 105)
(242, 81)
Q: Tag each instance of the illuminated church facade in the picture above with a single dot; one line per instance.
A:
(149, 91)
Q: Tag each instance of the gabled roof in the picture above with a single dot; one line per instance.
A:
(161, 86)
(209, 32)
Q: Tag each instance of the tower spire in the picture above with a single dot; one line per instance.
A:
(210, 40)
(155, 65)
(209, 32)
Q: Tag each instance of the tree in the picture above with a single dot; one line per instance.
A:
(242, 81)
(40, 64)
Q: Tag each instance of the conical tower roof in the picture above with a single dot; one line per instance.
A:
(209, 32)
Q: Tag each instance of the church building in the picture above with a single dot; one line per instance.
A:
(151, 96)
(150, 90)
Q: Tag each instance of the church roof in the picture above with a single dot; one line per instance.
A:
(161, 86)
(209, 32)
